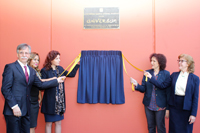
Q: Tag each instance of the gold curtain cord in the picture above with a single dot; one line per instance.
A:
(123, 57)
(74, 62)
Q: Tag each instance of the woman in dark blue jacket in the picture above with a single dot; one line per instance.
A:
(53, 103)
(155, 99)
(183, 102)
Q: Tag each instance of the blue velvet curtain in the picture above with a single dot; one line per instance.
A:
(101, 77)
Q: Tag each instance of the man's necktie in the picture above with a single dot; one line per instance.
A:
(26, 74)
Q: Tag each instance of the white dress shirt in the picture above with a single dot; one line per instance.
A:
(22, 65)
(181, 84)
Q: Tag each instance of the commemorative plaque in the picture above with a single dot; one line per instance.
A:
(101, 18)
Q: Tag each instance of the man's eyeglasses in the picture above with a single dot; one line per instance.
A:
(181, 61)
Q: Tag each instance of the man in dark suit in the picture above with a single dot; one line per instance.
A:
(18, 79)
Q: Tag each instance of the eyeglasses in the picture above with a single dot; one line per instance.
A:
(181, 61)
(22, 53)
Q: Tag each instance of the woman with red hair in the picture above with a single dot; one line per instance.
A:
(53, 103)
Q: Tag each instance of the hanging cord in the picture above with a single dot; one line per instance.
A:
(74, 62)
(123, 57)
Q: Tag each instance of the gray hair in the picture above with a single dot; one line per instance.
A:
(23, 46)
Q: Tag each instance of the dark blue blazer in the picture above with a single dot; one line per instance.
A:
(16, 90)
(147, 87)
(191, 93)
(48, 102)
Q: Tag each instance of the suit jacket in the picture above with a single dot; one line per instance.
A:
(147, 87)
(191, 93)
(16, 90)
(48, 102)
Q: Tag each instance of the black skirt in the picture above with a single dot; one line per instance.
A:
(34, 114)
(178, 118)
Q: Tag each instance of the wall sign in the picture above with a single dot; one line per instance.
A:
(101, 18)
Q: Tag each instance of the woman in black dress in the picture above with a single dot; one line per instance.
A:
(53, 103)
(36, 96)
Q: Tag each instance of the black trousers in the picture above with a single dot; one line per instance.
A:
(155, 119)
(17, 124)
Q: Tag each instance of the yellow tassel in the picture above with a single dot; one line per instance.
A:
(146, 79)
(133, 87)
